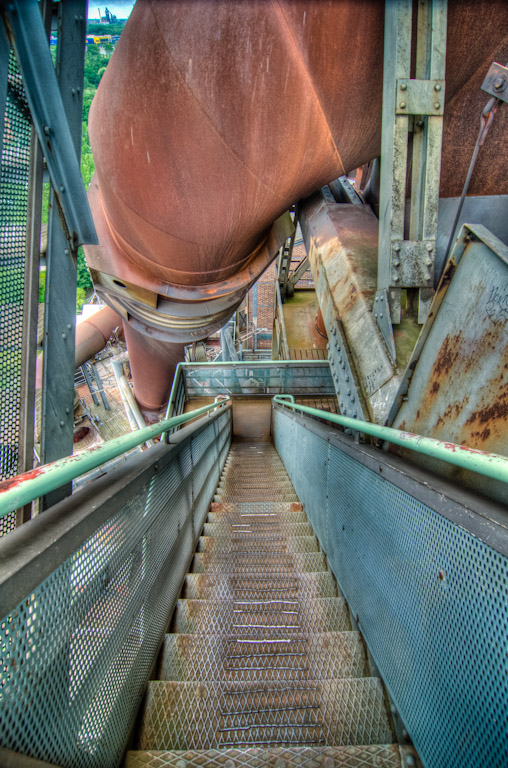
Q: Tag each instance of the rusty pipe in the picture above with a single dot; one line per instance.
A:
(213, 116)
(93, 334)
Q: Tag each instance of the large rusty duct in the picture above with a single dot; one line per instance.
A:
(213, 117)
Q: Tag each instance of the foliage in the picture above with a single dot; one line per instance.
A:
(105, 29)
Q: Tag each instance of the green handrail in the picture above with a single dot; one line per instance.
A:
(23, 489)
(489, 464)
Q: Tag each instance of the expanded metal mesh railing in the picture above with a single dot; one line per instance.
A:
(87, 592)
(258, 378)
(426, 578)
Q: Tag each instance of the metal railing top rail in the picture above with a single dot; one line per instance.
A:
(488, 464)
(241, 364)
(24, 488)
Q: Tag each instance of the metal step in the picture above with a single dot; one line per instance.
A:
(240, 545)
(203, 586)
(372, 756)
(327, 655)
(263, 494)
(262, 565)
(260, 529)
(266, 617)
(256, 512)
(208, 715)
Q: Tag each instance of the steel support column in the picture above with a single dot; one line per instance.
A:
(61, 278)
(410, 104)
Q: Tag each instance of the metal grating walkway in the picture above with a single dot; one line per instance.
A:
(261, 665)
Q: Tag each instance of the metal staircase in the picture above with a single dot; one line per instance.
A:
(261, 665)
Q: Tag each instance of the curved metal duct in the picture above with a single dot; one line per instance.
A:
(214, 116)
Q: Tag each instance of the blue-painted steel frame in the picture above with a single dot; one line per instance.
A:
(48, 113)
(428, 592)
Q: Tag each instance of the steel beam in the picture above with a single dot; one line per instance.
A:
(410, 104)
(49, 105)
(61, 276)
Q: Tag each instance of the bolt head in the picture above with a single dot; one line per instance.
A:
(62, 423)
(382, 298)
(402, 105)
(430, 247)
(436, 105)
(498, 83)
(395, 278)
(437, 87)
(396, 263)
(396, 247)
(403, 87)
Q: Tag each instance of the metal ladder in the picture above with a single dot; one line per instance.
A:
(261, 665)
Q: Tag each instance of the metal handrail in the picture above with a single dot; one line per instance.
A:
(238, 364)
(488, 464)
(23, 489)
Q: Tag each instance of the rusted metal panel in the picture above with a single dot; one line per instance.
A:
(456, 384)
(342, 245)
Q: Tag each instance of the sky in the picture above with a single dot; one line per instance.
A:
(121, 8)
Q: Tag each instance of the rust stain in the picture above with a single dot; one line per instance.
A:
(494, 411)
(14, 482)
(447, 356)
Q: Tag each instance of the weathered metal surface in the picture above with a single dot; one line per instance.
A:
(342, 244)
(496, 81)
(189, 176)
(488, 465)
(37, 482)
(49, 106)
(93, 333)
(63, 121)
(456, 385)
(426, 580)
(409, 262)
(261, 660)
(372, 756)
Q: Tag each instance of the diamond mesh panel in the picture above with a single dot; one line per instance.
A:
(13, 215)
(76, 653)
(431, 599)
(375, 756)
(211, 715)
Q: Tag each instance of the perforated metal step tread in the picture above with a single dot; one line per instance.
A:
(327, 655)
(260, 529)
(239, 545)
(256, 512)
(259, 616)
(372, 756)
(274, 565)
(213, 715)
(235, 587)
